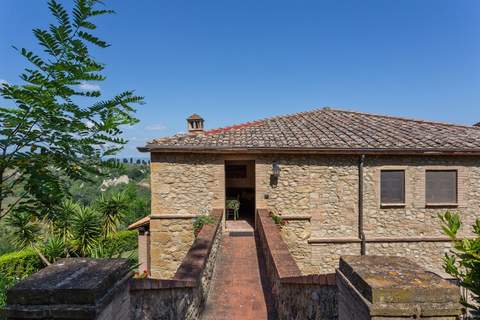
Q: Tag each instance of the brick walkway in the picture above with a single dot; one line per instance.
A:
(238, 290)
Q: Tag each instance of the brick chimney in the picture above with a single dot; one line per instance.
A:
(195, 124)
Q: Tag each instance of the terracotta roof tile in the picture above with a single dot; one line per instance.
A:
(331, 129)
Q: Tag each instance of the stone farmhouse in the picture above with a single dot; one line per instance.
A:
(325, 215)
(345, 183)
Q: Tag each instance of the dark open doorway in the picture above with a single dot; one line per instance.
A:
(240, 186)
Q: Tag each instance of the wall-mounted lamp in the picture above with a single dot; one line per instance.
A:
(275, 169)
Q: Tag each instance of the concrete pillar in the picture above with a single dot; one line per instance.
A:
(388, 288)
(75, 288)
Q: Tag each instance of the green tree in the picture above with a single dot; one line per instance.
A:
(463, 263)
(112, 209)
(52, 132)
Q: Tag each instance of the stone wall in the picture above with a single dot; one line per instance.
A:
(183, 186)
(322, 191)
(323, 187)
(416, 219)
(73, 288)
(182, 297)
(295, 296)
(318, 196)
(186, 184)
(170, 240)
(325, 256)
(295, 233)
(427, 254)
(382, 288)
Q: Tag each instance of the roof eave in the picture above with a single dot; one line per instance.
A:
(145, 221)
(260, 150)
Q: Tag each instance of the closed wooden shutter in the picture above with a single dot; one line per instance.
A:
(392, 186)
(441, 186)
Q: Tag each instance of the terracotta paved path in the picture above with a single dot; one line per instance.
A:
(237, 291)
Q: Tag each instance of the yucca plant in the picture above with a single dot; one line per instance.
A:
(25, 229)
(86, 230)
(55, 248)
(61, 219)
(112, 209)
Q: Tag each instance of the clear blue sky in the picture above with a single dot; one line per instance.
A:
(234, 61)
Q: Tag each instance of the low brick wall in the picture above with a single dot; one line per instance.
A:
(184, 296)
(295, 296)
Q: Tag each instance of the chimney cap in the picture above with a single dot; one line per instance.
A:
(195, 117)
(195, 123)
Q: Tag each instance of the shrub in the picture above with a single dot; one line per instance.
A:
(16, 266)
(464, 261)
(122, 241)
(5, 284)
(278, 220)
(20, 264)
(200, 221)
(55, 248)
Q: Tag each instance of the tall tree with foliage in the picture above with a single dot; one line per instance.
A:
(56, 130)
(464, 261)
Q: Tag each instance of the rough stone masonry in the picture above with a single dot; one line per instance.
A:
(393, 288)
(73, 288)
(318, 196)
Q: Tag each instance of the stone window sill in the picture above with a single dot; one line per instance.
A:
(392, 205)
(441, 205)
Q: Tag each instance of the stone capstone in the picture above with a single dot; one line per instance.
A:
(74, 288)
(379, 287)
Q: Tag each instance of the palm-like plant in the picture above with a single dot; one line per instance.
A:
(72, 229)
(86, 230)
(25, 229)
(112, 209)
(55, 248)
(61, 219)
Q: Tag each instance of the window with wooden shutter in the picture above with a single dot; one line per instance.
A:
(392, 185)
(441, 187)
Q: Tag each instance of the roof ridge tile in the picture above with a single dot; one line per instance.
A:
(402, 118)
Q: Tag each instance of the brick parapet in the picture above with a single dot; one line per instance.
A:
(294, 294)
(184, 295)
